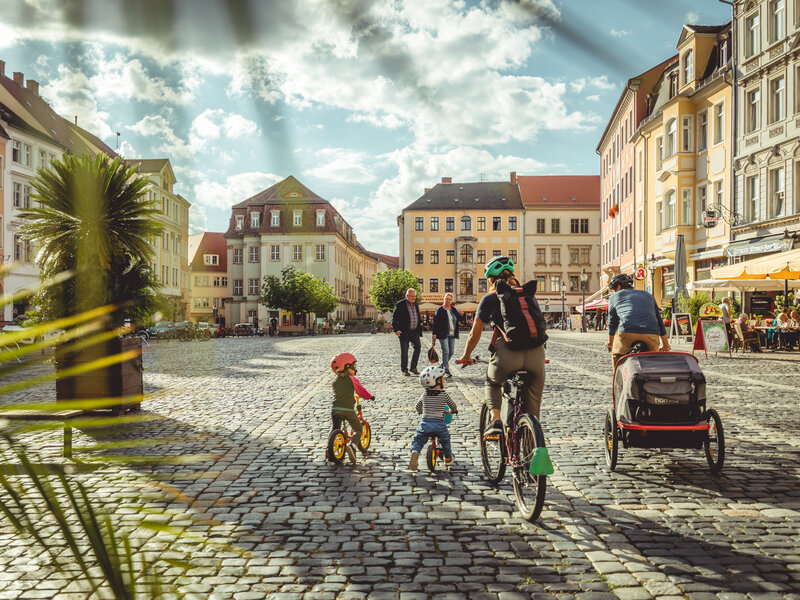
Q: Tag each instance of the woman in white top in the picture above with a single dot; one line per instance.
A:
(445, 329)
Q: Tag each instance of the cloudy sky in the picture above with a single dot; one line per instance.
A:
(366, 102)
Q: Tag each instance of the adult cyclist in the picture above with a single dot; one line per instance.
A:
(504, 361)
(633, 316)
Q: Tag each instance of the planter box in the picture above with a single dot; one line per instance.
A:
(120, 380)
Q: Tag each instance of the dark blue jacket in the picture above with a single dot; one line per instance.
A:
(634, 311)
(401, 320)
(441, 327)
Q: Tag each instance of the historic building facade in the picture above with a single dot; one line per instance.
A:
(562, 238)
(289, 225)
(448, 234)
(208, 277)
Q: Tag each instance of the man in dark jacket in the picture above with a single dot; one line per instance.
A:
(407, 325)
(445, 329)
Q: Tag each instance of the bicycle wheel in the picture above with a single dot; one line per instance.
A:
(205, 336)
(529, 490)
(714, 445)
(431, 458)
(611, 439)
(336, 441)
(366, 437)
(492, 451)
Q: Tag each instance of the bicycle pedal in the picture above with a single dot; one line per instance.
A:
(491, 436)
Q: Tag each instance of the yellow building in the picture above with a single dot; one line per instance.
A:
(171, 249)
(683, 159)
(208, 282)
(448, 234)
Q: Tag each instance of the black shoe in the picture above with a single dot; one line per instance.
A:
(415, 372)
(448, 374)
(406, 373)
(494, 430)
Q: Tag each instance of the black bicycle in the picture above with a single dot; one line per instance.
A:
(521, 444)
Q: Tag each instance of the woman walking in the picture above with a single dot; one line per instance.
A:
(445, 328)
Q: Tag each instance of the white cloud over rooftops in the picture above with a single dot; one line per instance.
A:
(223, 194)
(340, 165)
(618, 33)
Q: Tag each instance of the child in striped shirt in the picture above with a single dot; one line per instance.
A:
(432, 408)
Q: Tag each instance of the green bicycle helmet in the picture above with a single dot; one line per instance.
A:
(497, 265)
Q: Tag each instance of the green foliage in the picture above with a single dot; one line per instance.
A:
(92, 222)
(389, 287)
(666, 311)
(298, 292)
(692, 304)
(782, 305)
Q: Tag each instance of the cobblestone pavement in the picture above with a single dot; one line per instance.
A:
(661, 526)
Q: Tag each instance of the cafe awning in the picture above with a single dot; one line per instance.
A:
(759, 245)
(739, 285)
(781, 265)
(599, 304)
(428, 306)
(467, 306)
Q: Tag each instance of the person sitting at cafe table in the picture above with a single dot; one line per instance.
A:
(750, 335)
(786, 337)
(795, 316)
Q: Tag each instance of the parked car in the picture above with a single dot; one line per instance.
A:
(241, 329)
(204, 326)
(163, 330)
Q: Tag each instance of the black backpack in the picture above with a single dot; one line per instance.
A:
(523, 324)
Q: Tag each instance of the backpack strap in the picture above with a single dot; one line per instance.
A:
(523, 303)
(497, 331)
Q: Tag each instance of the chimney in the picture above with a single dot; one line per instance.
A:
(513, 177)
(76, 119)
(447, 180)
(33, 86)
(2, 68)
(19, 78)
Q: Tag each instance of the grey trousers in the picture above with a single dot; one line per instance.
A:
(503, 363)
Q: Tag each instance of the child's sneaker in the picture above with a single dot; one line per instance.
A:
(351, 453)
(448, 462)
(414, 462)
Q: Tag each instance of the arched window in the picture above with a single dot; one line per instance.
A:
(466, 253)
(466, 223)
(669, 209)
(672, 127)
(466, 284)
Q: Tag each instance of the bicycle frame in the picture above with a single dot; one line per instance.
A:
(512, 443)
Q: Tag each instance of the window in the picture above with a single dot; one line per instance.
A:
(584, 225)
(753, 33)
(482, 257)
(418, 257)
(541, 283)
(433, 285)
(211, 259)
(777, 20)
(239, 222)
(673, 84)
(26, 155)
(238, 287)
(659, 216)
(586, 254)
(555, 256)
(688, 67)
(482, 289)
(672, 126)
(659, 152)
(450, 223)
(539, 225)
(434, 223)
(466, 253)
(512, 223)
(274, 252)
(320, 218)
(419, 223)
(702, 131)
(574, 282)
(16, 151)
(686, 134)
(451, 257)
(541, 256)
(555, 225)
(669, 209)
(276, 218)
(777, 93)
(512, 254)
(466, 284)
(252, 287)
(319, 252)
(18, 195)
(42, 159)
(448, 285)
(753, 111)
(497, 223)
(574, 255)
(751, 210)
(19, 247)
(297, 218)
(496, 253)
(777, 204)
(238, 253)
(254, 219)
(686, 207)
(481, 223)
(434, 257)
(719, 122)
(555, 283)
(702, 202)
(297, 252)
(466, 223)
(574, 225)
(252, 254)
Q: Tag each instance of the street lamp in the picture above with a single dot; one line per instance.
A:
(563, 308)
(584, 279)
(651, 266)
(215, 308)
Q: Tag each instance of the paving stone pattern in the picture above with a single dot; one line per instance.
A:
(287, 525)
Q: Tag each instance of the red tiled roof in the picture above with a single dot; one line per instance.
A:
(559, 190)
(207, 243)
(393, 262)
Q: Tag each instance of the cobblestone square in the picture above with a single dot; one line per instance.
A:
(289, 525)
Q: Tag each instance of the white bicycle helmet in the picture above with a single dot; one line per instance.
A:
(431, 375)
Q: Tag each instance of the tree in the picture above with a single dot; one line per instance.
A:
(298, 292)
(389, 287)
(92, 221)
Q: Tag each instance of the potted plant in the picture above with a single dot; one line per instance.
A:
(92, 227)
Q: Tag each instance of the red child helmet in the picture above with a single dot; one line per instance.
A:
(341, 361)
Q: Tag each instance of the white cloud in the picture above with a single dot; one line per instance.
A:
(340, 165)
(618, 33)
(593, 98)
(159, 127)
(692, 17)
(128, 151)
(600, 83)
(198, 219)
(230, 191)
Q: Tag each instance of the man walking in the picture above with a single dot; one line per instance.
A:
(408, 327)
